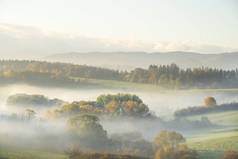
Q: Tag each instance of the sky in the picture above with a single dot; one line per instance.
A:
(42, 27)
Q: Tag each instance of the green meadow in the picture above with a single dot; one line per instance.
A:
(213, 143)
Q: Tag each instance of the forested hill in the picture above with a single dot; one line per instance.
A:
(132, 60)
(169, 76)
(57, 68)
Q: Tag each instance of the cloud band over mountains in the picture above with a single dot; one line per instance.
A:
(26, 41)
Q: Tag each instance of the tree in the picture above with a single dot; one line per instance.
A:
(88, 130)
(123, 104)
(169, 145)
(112, 106)
(30, 114)
(87, 125)
(210, 101)
(168, 139)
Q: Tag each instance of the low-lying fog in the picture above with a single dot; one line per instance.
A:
(163, 103)
(53, 134)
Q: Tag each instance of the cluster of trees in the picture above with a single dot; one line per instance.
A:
(173, 76)
(210, 105)
(118, 105)
(59, 69)
(37, 78)
(87, 129)
(197, 110)
(171, 145)
(87, 134)
(170, 76)
(27, 115)
(90, 135)
(32, 100)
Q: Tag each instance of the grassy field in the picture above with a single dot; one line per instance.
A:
(210, 144)
(213, 143)
(121, 84)
(210, 154)
(19, 153)
(219, 141)
(143, 86)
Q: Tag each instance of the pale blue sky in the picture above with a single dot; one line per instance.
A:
(209, 22)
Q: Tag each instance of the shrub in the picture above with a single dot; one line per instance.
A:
(210, 101)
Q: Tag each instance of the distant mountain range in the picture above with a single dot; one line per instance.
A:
(131, 60)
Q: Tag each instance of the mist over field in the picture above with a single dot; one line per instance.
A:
(162, 102)
(126, 79)
(68, 110)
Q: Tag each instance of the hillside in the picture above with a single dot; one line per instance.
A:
(131, 60)
(168, 76)
(213, 143)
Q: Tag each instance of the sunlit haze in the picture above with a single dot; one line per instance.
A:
(58, 26)
(118, 79)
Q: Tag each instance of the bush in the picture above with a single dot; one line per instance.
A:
(210, 101)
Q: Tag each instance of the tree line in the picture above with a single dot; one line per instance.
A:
(198, 110)
(170, 76)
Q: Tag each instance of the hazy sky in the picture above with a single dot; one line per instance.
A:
(119, 25)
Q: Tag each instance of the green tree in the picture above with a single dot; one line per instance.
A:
(168, 139)
(170, 145)
(88, 130)
(87, 125)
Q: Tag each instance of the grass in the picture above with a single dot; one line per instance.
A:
(122, 84)
(221, 138)
(210, 154)
(213, 143)
(147, 87)
(20, 153)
